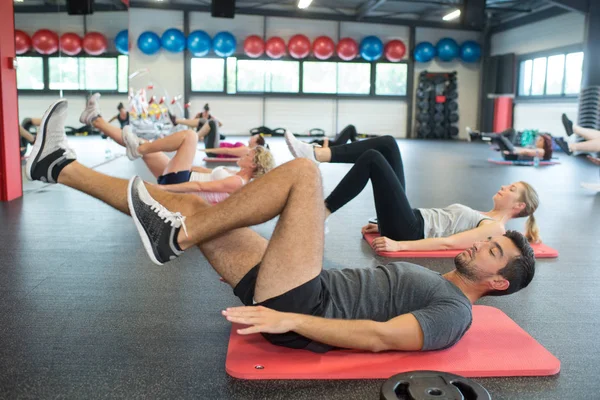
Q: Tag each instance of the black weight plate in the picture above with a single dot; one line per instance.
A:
(452, 95)
(453, 131)
(438, 117)
(452, 105)
(453, 117)
(430, 385)
(451, 86)
(421, 95)
(423, 117)
(439, 108)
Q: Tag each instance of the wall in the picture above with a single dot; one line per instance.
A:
(107, 23)
(468, 75)
(564, 30)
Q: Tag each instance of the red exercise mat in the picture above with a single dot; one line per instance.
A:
(220, 160)
(541, 251)
(494, 346)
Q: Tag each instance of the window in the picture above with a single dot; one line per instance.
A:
(558, 74)
(319, 77)
(270, 76)
(574, 72)
(30, 73)
(84, 73)
(64, 73)
(208, 74)
(391, 79)
(354, 78)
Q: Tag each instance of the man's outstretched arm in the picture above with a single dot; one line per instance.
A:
(400, 333)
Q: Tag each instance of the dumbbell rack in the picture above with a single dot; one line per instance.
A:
(437, 105)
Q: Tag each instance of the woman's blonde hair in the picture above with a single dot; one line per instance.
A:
(264, 161)
(530, 197)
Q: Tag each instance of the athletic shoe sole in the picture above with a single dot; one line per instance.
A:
(41, 139)
(138, 224)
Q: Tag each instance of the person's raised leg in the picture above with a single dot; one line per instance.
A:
(347, 134)
(292, 191)
(591, 146)
(182, 142)
(192, 123)
(586, 133)
(25, 134)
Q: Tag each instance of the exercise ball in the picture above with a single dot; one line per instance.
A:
(173, 40)
(275, 47)
(371, 48)
(424, 52)
(22, 42)
(224, 44)
(470, 51)
(323, 47)
(447, 49)
(45, 41)
(149, 43)
(94, 43)
(299, 46)
(122, 42)
(254, 46)
(394, 50)
(199, 43)
(347, 49)
(70, 43)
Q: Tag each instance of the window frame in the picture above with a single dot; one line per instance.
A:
(565, 50)
(300, 93)
(46, 75)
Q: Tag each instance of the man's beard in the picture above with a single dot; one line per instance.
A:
(466, 267)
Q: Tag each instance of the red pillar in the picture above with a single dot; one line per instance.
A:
(11, 185)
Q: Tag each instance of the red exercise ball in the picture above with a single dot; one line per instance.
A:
(394, 50)
(323, 47)
(45, 41)
(347, 49)
(70, 44)
(275, 47)
(94, 43)
(299, 46)
(254, 46)
(22, 42)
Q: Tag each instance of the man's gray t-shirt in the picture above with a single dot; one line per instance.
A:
(385, 292)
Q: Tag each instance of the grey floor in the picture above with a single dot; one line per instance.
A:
(85, 314)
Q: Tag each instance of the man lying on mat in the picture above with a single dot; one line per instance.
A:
(402, 227)
(288, 297)
(177, 173)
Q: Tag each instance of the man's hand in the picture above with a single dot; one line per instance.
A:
(260, 319)
(370, 228)
(386, 244)
(595, 160)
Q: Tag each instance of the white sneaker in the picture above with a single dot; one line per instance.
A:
(51, 151)
(132, 142)
(299, 149)
(91, 111)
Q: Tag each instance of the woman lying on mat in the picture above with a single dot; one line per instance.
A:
(206, 125)
(347, 134)
(506, 142)
(591, 143)
(402, 227)
(237, 149)
(177, 174)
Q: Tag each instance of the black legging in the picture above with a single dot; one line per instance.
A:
(378, 160)
(348, 133)
(210, 140)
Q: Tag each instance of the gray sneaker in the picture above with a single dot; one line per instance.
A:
(51, 151)
(91, 111)
(132, 142)
(299, 149)
(157, 226)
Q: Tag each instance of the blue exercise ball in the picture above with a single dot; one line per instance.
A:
(149, 43)
(371, 48)
(122, 42)
(424, 52)
(224, 44)
(470, 51)
(199, 43)
(173, 40)
(447, 49)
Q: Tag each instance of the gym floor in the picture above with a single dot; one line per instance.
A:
(85, 314)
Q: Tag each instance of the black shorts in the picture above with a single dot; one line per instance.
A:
(309, 299)
(174, 178)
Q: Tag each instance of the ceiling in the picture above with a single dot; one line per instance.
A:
(413, 12)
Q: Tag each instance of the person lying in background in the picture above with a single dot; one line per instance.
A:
(505, 141)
